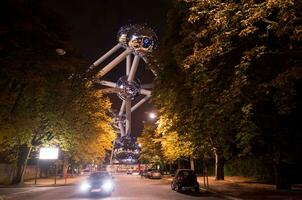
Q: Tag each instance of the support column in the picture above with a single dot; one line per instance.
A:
(105, 56)
(121, 113)
(114, 63)
(128, 64)
(128, 117)
(133, 68)
(138, 104)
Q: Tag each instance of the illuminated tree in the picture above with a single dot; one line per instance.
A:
(174, 146)
(231, 73)
(151, 151)
(39, 104)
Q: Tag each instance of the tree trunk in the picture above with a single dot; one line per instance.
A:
(219, 165)
(205, 172)
(282, 178)
(192, 163)
(23, 154)
(18, 97)
(65, 166)
(178, 164)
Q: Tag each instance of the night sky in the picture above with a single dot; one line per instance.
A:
(93, 26)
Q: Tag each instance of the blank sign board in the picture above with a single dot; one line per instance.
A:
(49, 153)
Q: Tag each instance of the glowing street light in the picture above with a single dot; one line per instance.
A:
(60, 52)
(152, 115)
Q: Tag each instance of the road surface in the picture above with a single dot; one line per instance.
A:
(128, 187)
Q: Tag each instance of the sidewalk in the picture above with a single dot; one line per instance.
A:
(237, 187)
(51, 181)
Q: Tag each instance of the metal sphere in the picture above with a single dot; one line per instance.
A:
(141, 39)
(122, 35)
(128, 89)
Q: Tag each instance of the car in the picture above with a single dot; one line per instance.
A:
(147, 172)
(154, 174)
(86, 172)
(185, 179)
(129, 171)
(98, 182)
(143, 173)
(135, 172)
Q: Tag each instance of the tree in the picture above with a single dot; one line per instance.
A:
(261, 39)
(151, 152)
(234, 78)
(39, 104)
(174, 146)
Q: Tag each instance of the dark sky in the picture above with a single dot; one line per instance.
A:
(93, 28)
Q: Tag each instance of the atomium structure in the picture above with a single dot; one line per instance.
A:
(138, 41)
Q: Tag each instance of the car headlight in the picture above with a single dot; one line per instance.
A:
(85, 186)
(107, 185)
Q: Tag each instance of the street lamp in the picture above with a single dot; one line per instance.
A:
(60, 52)
(152, 115)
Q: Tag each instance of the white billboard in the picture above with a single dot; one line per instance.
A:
(49, 153)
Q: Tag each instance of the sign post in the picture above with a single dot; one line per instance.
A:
(49, 153)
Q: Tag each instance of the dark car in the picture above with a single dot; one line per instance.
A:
(143, 173)
(185, 179)
(99, 182)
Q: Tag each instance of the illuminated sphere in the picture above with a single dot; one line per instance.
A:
(128, 89)
(141, 39)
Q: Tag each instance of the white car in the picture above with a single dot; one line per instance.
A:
(154, 174)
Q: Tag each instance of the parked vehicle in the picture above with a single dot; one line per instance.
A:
(154, 174)
(129, 171)
(135, 172)
(185, 179)
(143, 173)
(86, 172)
(98, 182)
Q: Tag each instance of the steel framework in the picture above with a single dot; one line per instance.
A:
(136, 40)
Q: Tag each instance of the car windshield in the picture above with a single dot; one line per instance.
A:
(99, 175)
(187, 173)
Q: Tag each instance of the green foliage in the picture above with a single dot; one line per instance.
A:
(39, 104)
(174, 145)
(151, 152)
(230, 72)
(259, 168)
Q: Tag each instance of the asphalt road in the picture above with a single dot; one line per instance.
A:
(128, 187)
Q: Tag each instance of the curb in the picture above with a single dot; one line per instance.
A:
(50, 185)
(33, 185)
